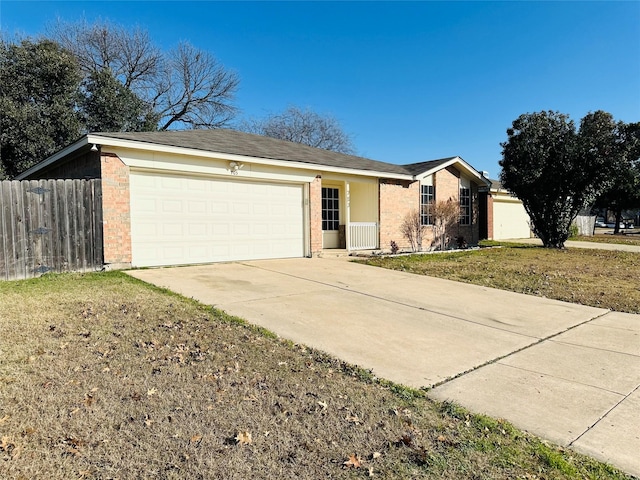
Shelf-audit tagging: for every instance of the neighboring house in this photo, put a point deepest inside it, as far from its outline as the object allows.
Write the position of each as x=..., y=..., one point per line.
x=506, y=216
x=200, y=196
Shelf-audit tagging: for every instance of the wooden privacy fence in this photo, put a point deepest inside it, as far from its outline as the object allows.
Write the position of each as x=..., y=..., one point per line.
x=50, y=226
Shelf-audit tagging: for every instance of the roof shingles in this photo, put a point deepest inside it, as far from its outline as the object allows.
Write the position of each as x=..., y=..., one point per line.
x=240, y=143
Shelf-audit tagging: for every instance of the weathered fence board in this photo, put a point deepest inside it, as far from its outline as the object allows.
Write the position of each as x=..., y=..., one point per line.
x=50, y=226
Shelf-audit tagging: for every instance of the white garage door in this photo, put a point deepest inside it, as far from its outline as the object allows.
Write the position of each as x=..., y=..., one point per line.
x=181, y=220
x=510, y=220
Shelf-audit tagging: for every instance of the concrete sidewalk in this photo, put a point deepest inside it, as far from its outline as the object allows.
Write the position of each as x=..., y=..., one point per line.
x=579, y=244
x=566, y=372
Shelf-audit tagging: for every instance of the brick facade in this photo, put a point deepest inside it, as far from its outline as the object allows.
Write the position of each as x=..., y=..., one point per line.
x=396, y=199
x=399, y=198
x=447, y=183
x=315, y=217
x=116, y=211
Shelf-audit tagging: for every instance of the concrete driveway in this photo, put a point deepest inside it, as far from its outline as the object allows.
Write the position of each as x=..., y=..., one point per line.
x=565, y=372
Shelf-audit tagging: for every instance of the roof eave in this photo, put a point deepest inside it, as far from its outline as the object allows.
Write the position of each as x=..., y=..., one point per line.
x=106, y=142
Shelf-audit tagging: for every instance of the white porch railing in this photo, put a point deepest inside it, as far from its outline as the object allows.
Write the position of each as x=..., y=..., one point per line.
x=363, y=235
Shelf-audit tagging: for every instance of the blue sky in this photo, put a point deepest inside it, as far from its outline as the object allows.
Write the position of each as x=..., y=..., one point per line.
x=410, y=81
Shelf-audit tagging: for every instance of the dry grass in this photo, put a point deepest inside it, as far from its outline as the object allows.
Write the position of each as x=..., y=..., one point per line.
x=102, y=376
x=598, y=278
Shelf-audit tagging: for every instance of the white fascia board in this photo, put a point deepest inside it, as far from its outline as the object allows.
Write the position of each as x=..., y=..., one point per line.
x=54, y=158
x=465, y=166
x=504, y=196
x=433, y=170
x=136, y=145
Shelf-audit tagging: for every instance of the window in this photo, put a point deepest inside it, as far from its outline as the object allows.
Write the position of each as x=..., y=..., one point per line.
x=427, y=203
x=465, y=206
x=330, y=208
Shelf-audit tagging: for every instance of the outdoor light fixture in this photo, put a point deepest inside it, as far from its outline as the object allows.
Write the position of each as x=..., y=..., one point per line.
x=94, y=148
x=234, y=167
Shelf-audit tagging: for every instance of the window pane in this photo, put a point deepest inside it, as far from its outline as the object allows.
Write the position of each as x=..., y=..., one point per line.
x=330, y=208
x=427, y=201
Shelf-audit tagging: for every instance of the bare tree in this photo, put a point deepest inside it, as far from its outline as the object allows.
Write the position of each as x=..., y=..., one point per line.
x=194, y=89
x=444, y=213
x=413, y=230
x=185, y=87
x=303, y=126
x=128, y=53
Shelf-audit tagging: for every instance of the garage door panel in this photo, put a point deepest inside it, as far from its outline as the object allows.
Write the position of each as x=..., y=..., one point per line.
x=510, y=220
x=180, y=220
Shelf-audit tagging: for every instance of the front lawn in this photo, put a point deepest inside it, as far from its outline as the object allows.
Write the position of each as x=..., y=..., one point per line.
x=102, y=376
x=598, y=278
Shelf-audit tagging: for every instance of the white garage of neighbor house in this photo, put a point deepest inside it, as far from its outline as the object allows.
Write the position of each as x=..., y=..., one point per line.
x=200, y=196
x=510, y=219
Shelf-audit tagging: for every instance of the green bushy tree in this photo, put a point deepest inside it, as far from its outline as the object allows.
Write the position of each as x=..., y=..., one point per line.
x=556, y=169
x=38, y=102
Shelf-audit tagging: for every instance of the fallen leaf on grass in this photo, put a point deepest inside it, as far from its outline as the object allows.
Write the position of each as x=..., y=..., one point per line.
x=243, y=438
x=6, y=443
x=73, y=451
x=376, y=455
x=354, y=461
x=196, y=438
x=323, y=405
x=352, y=419
x=152, y=391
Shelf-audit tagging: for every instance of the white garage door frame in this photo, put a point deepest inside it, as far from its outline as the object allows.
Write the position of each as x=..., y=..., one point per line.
x=179, y=219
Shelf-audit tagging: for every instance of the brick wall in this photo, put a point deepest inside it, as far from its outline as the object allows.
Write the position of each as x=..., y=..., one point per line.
x=397, y=199
x=447, y=183
x=315, y=218
x=116, y=211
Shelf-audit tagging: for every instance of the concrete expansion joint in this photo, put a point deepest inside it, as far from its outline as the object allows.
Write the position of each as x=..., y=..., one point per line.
x=526, y=347
x=591, y=347
x=564, y=379
x=603, y=416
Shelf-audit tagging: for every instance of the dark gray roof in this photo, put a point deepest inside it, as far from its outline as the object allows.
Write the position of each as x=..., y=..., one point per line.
x=240, y=143
x=418, y=168
x=496, y=184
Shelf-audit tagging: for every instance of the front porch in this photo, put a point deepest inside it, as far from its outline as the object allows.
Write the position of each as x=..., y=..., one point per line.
x=350, y=215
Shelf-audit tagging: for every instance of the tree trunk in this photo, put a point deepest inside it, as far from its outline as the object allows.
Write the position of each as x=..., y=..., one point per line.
x=616, y=228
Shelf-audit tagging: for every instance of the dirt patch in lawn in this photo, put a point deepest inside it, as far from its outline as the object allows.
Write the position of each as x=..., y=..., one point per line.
x=102, y=376
x=598, y=278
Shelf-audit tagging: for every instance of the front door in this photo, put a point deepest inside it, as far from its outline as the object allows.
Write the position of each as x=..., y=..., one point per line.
x=330, y=217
